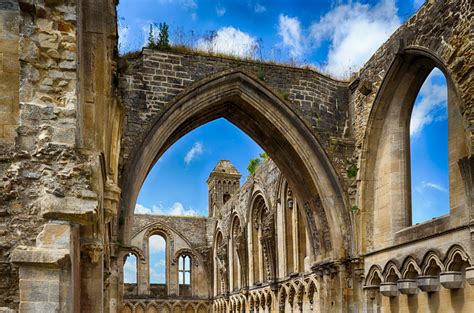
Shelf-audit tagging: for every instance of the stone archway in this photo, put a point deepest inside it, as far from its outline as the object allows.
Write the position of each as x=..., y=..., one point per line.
x=387, y=142
x=265, y=117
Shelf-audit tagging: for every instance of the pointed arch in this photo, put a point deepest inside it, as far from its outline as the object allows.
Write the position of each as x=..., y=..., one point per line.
x=387, y=142
x=432, y=264
x=410, y=268
x=374, y=276
x=271, y=122
x=391, y=272
x=456, y=259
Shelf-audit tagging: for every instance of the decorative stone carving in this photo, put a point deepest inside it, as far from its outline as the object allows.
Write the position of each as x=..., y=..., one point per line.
x=407, y=286
x=428, y=283
x=93, y=250
x=389, y=289
x=470, y=275
x=451, y=279
x=111, y=199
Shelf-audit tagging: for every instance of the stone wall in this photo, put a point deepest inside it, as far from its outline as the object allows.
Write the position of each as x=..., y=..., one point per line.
x=149, y=81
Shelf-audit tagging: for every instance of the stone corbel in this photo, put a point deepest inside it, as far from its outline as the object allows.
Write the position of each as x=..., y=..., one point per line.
x=111, y=200
x=94, y=250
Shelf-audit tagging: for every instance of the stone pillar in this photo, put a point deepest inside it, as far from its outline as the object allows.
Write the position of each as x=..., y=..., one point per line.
x=49, y=272
x=92, y=277
x=143, y=280
x=9, y=69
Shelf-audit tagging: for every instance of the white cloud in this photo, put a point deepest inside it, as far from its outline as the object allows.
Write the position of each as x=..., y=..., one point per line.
x=258, y=8
x=430, y=105
x=157, y=244
x=177, y=209
x=435, y=186
x=229, y=40
x=130, y=270
x=196, y=150
x=429, y=185
x=289, y=29
x=220, y=11
x=354, y=31
x=187, y=4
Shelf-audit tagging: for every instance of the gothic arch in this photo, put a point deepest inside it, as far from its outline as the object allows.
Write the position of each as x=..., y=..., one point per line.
x=410, y=267
x=374, y=276
x=270, y=121
x=456, y=254
x=430, y=261
x=390, y=114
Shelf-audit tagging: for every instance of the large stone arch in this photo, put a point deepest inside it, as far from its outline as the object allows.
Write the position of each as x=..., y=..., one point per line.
x=386, y=149
x=264, y=116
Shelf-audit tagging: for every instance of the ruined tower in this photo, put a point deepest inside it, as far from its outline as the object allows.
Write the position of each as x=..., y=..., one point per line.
x=223, y=181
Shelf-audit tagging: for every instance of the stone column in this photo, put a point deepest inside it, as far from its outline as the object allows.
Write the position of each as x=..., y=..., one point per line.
x=92, y=271
x=49, y=272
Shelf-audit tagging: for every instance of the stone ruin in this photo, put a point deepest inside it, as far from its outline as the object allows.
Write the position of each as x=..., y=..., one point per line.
x=80, y=128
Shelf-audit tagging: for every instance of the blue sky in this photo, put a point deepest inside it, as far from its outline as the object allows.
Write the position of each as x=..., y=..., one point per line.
x=329, y=34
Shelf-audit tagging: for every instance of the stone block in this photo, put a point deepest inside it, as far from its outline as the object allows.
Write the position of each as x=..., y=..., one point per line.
x=407, y=286
x=39, y=273
x=428, y=283
x=43, y=307
x=23, y=254
x=6, y=103
x=451, y=280
x=389, y=289
x=82, y=211
x=470, y=275
x=34, y=290
x=54, y=236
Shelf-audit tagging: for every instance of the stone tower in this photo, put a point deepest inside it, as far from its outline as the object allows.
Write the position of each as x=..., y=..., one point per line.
x=223, y=182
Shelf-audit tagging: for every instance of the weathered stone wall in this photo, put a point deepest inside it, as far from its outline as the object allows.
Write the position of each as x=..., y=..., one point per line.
x=45, y=172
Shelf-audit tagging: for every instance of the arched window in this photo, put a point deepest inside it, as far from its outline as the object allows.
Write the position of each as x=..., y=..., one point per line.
x=184, y=275
x=294, y=232
x=130, y=269
x=255, y=226
x=429, y=161
x=184, y=270
x=219, y=266
x=236, y=269
x=157, y=259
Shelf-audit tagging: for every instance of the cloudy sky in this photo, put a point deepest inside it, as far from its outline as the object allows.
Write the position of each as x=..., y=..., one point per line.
x=337, y=36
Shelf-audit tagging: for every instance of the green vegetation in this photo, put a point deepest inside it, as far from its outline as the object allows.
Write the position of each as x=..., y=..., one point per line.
x=254, y=164
x=351, y=169
x=163, y=41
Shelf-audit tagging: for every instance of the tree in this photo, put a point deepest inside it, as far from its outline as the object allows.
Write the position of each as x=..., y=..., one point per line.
x=254, y=164
x=151, y=38
x=163, y=37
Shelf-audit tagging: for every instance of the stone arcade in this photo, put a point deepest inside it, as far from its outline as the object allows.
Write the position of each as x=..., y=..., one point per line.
x=80, y=128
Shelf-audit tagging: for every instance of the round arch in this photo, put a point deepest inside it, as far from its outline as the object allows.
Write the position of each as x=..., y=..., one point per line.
x=266, y=118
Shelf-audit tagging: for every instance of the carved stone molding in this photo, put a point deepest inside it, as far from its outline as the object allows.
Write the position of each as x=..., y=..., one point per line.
x=94, y=250
x=111, y=199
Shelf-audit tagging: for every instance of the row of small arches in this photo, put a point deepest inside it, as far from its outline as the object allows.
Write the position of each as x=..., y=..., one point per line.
x=456, y=260
x=290, y=294
x=154, y=307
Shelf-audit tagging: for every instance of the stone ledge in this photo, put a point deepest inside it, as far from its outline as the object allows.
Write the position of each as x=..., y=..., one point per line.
x=81, y=211
x=24, y=254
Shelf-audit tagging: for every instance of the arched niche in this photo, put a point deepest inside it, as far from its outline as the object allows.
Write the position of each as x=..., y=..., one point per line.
x=385, y=170
x=270, y=121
